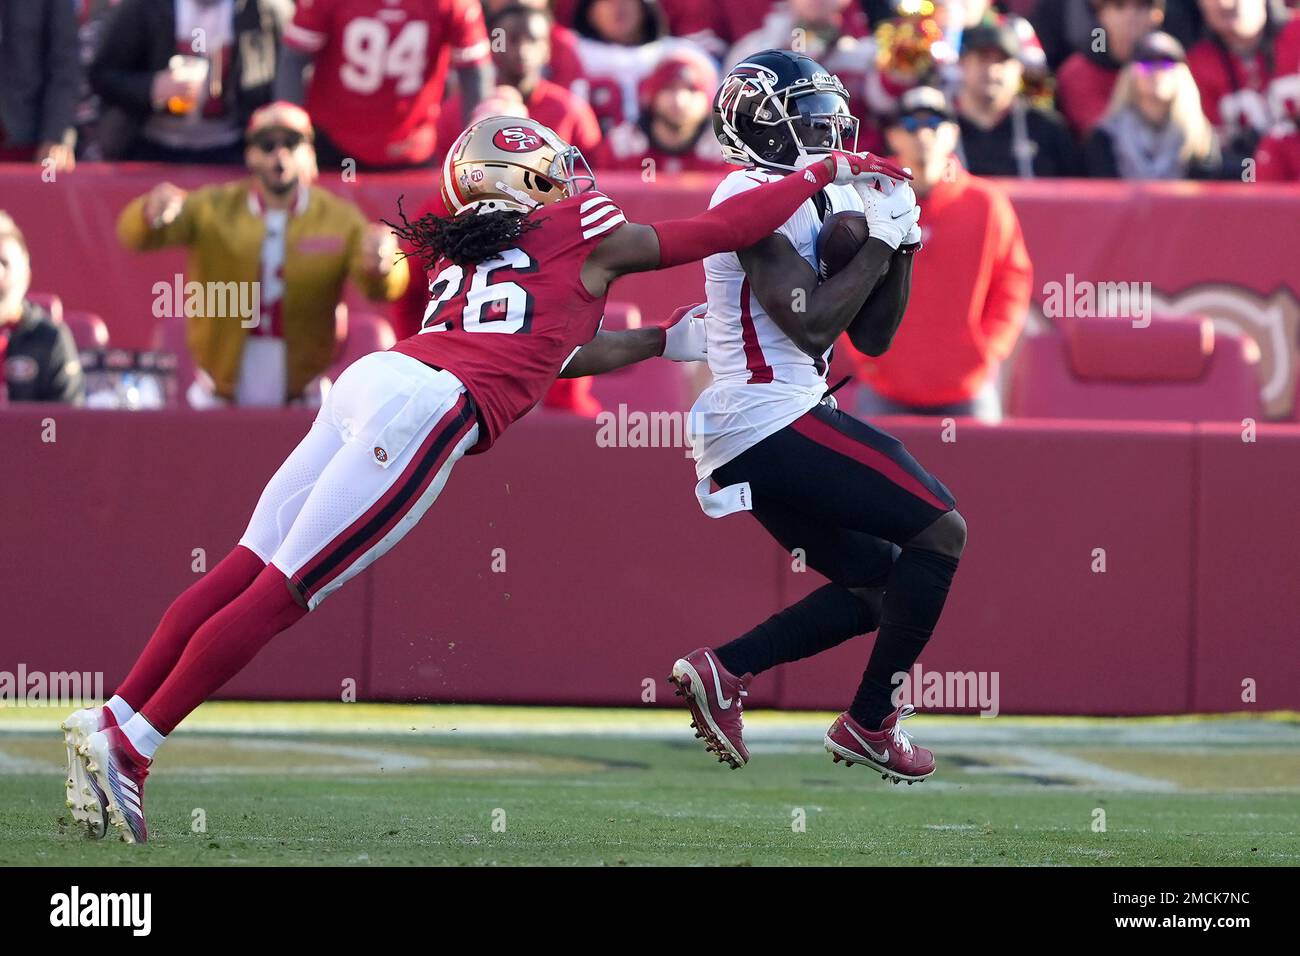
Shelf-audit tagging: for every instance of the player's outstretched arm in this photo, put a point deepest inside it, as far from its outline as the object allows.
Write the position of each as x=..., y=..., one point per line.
x=873, y=331
x=734, y=224
x=680, y=339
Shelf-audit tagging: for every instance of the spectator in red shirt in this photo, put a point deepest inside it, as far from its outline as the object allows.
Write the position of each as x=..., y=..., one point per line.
x=1242, y=55
x=620, y=42
x=1155, y=128
x=674, y=132
x=971, y=282
x=1277, y=160
x=379, y=72
x=1085, y=81
x=564, y=66
x=521, y=51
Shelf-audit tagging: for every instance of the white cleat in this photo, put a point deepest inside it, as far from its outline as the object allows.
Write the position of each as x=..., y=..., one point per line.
x=80, y=797
x=117, y=775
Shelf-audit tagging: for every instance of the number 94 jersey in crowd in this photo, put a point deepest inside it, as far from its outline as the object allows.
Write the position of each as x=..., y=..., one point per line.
x=380, y=68
x=507, y=326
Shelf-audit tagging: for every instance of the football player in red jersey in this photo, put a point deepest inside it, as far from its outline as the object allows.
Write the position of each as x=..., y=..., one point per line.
x=379, y=71
x=517, y=291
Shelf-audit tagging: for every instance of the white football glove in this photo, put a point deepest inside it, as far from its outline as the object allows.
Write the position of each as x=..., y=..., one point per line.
x=891, y=217
x=913, y=236
x=685, y=339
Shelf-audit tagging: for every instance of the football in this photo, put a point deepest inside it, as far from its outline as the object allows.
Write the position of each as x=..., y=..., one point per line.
x=841, y=236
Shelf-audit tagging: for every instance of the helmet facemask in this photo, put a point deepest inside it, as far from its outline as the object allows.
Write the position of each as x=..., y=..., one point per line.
x=809, y=117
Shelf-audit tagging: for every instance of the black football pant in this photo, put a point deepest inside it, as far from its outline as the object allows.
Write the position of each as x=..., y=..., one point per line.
x=861, y=511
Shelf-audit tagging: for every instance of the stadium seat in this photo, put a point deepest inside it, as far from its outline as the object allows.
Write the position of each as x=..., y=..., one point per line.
x=169, y=336
x=88, y=329
x=1176, y=369
x=645, y=386
x=366, y=332
x=50, y=301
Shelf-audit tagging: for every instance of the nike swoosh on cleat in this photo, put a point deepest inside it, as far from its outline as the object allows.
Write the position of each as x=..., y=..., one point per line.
x=723, y=702
x=879, y=758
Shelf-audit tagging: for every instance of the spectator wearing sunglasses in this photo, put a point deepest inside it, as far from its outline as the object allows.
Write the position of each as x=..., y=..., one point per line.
x=1001, y=133
x=1155, y=128
x=1085, y=81
x=274, y=240
x=971, y=282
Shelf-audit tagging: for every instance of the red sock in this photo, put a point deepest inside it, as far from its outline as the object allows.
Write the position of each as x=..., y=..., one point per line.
x=221, y=648
x=198, y=602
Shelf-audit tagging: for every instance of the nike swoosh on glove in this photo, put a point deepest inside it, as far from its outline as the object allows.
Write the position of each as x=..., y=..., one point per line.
x=852, y=167
x=685, y=339
x=891, y=217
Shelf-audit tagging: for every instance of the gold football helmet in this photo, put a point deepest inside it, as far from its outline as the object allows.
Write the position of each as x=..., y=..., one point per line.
x=508, y=163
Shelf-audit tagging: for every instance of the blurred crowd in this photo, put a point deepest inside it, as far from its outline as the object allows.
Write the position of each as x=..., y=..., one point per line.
x=1149, y=89
x=957, y=89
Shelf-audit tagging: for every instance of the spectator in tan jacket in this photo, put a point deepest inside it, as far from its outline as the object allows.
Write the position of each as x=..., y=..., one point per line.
x=268, y=256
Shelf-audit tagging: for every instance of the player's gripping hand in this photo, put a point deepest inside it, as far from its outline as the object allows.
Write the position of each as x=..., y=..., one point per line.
x=684, y=335
x=892, y=217
x=856, y=167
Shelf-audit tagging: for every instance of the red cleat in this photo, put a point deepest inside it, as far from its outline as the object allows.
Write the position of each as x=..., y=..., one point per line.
x=117, y=773
x=889, y=749
x=714, y=697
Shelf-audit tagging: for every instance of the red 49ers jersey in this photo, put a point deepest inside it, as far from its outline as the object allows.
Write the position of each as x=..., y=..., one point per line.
x=380, y=68
x=506, y=326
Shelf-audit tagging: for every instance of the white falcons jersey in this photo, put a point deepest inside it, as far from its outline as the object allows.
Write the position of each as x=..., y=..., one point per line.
x=762, y=381
x=744, y=343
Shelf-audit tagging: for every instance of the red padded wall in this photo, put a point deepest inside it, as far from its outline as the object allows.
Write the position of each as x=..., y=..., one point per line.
x=612, y=570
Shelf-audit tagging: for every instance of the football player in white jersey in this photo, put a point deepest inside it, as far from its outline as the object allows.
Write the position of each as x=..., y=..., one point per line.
x=878, y=526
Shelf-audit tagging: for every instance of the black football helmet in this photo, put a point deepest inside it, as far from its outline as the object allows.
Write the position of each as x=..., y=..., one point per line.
x=776, y=106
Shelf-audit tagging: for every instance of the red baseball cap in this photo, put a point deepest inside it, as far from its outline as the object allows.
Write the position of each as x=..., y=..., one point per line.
x=696, y=70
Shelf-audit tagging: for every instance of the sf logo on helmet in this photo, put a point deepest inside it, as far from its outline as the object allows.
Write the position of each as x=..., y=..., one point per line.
x=517, y=139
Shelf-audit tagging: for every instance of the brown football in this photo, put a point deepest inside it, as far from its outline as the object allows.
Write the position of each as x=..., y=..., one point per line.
x=841, y=236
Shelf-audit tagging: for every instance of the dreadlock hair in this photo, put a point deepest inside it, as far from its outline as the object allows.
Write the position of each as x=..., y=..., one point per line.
x=465, y=238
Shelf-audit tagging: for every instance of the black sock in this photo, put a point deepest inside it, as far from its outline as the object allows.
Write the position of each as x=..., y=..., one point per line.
x=914, y=596
x=829, y=616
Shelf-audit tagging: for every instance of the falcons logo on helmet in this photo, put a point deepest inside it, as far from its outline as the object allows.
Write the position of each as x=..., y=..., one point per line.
x=746, y=79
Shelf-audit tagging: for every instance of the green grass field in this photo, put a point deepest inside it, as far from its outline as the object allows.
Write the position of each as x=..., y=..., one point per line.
x=358, y=784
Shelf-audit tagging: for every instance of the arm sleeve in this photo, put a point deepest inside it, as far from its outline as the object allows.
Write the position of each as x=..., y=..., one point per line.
x=118, y=73
x=740, y=221
x=64, y=381
x=467, y=34
x=375, y=286
x=63, y=71
x=135, y=233
x=309, y=30
x=1010, y=287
